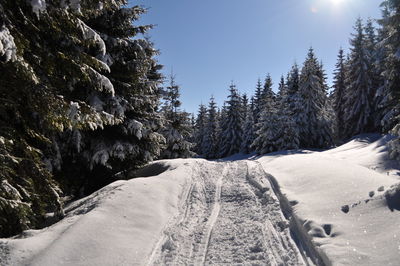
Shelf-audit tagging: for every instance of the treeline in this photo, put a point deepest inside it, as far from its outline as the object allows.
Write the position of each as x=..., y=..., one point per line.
x=365, y=98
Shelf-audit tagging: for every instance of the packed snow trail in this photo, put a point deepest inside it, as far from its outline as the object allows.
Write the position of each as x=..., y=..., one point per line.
x=228, y=215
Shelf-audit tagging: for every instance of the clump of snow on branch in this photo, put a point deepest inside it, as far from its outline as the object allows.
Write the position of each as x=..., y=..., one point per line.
x=89, y=34
x=38, y=6
x=135, y=127
x=8, y=50
x=93, y=120
x=102, y=82
x=119, y=150
x=74, y=5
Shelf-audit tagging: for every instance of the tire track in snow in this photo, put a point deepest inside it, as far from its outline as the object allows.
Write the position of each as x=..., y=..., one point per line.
x=228, y=215
x=166, y=237
x=183, y=241
x=214, y=214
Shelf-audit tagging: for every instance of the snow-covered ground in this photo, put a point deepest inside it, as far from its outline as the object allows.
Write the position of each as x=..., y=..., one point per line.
x=275, y=210
x=356, y=174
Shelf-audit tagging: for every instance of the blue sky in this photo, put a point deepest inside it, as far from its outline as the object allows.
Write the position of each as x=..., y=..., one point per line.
x=209, y=43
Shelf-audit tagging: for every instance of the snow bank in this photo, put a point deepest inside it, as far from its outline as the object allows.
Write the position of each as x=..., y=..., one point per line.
x=318, y=185
x=118, y=225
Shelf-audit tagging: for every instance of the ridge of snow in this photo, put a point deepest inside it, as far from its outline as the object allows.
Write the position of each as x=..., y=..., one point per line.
x=117, y=225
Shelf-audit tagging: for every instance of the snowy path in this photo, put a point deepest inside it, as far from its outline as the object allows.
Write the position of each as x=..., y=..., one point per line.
x=228, y=215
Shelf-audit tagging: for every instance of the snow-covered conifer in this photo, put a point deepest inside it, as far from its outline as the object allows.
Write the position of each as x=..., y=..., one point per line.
x=338, y=94
x=248, y=129
x=360, y=90
x=231, y=131
x=200, y=129
x=257, y=101
x=311, y=110
x=266, y=128
x=84, y=94
x=391, y=74
x=176, y=129
x=210, y=144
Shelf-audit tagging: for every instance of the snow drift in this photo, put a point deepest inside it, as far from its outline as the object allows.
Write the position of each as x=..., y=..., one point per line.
x=117, y=225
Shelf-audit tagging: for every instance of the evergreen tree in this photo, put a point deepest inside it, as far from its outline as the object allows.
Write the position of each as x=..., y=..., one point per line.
x=79, y=92
x=177, y=130
x=338, y=94
x=282, y=90
x=292, y=90
x=248, y=129
x=312, y=115
x=210, y=147
x=372, y=51
x=384, y=110
x=231, y=131
x=200, y=129
x=244, y=104
x=266, y=128
x=221, y=117
x=392, y=73
x=360, y=91
x=288, y=133
x=257, y=101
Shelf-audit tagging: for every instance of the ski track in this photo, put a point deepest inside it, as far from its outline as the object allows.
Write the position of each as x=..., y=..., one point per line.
x=229, y=215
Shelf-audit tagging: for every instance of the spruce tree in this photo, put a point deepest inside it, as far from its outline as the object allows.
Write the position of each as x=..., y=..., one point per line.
x=360, y=91
x=248, y=129
x=221, y=117
x=282, y=90
x=257, y=101
x=373, y=55
x=338, y=94
x=311, y=109
x=79, y=92
x=231, y=131
x=292, y=90
x=266, y=128
x=176, y=129
x=392, y=73
x=288, y=132
x=200, y=129
x=210, y=144
x=383, y=105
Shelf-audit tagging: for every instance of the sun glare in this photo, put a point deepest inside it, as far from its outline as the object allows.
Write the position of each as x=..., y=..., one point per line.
x=336, y=2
